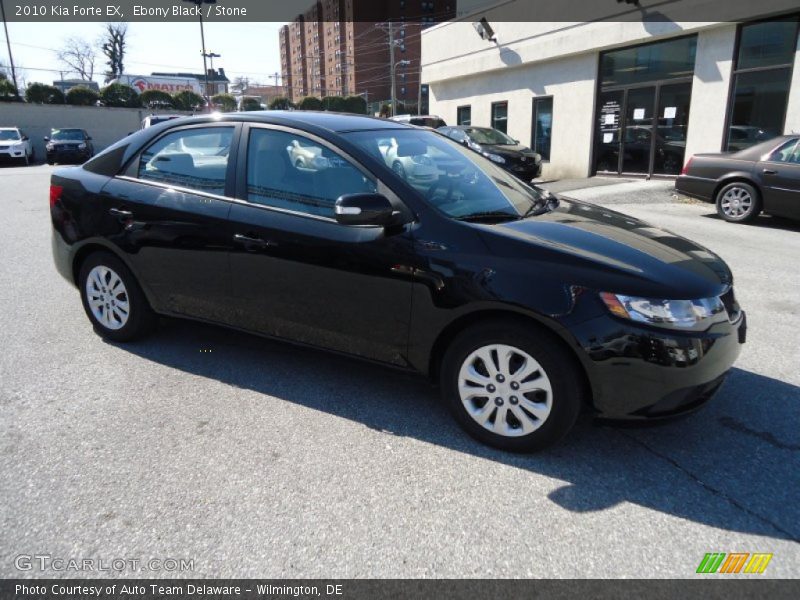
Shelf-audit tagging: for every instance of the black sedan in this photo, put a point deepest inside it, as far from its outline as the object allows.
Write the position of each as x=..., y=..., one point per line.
x=525, y=307
x=68, y=145
x=762, y=178
x=495, y=145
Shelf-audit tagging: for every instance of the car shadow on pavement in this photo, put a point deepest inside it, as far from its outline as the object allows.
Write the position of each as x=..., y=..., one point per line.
x=763, y=221
x=732, y=466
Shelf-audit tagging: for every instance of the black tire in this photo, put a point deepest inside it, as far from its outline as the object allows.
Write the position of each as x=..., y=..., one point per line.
x=50, y=161
x=559, y=366
x=727, y=212
x=140, y=320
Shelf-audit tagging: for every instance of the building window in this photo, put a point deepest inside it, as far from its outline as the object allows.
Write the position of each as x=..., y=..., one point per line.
x=500, y=116
x=761, y=81
x=671, y=59
x=542, y=126
x=464, y=115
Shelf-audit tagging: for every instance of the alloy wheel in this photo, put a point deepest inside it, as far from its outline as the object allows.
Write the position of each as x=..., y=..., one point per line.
x=736, y=203
x=505, y=390
x=107, y=297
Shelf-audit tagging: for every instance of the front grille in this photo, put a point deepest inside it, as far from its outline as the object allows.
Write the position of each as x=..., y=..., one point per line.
x=730, y=304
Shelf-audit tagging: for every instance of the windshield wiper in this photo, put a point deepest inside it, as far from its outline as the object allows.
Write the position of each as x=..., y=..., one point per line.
x=544, y=205
x=490, y=215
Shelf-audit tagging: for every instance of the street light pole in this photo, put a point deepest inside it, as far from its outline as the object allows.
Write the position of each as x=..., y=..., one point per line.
x=10, y=56
x=198, y=3
x=401, y=63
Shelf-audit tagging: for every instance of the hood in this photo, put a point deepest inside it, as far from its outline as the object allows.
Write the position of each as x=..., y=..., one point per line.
x=609, y=251
x=508, y=150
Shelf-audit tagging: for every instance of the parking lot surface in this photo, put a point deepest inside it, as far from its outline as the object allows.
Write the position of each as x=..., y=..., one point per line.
x=258, y=459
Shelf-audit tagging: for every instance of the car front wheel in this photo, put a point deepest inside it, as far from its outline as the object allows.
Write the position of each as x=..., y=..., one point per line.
x=738, y=202
x=113, y=300
x=511, y=386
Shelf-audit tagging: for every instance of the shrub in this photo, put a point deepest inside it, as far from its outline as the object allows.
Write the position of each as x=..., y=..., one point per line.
x=251, y=104
x=40, y=93
x=156, y=99
x=334, y=103
x=7, y=91
x=225, y=101
x=119, y=94
x=356, y=105
x=188, y=100
x=281, y=103
x=310, y=103
x=82, y=96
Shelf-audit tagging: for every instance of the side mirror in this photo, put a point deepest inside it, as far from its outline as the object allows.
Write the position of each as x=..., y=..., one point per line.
x=47, y=138
x=363, y=209
x=88, y=138
x=24, y=138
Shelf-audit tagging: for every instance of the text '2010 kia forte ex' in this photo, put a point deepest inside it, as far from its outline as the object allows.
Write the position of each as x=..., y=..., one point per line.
x=525, y=307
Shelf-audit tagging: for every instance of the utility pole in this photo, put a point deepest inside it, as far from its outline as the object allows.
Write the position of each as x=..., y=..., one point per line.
x=393, y=100
x=10, y=56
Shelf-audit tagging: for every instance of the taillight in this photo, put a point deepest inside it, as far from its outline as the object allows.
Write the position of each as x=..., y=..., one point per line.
x=685, y=169
x=55, y=194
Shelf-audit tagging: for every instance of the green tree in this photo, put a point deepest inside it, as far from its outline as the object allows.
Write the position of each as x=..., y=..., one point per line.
x=356, y=105
x=225, y=101
x=333, y=103
x=187, y=100
x=114, y=46
x=251, y=104
x=41, y=93
x=82, y=96
x=156, y=99
x=310, y=103
x=280, y=103
x=119, y=94
x=7, y=91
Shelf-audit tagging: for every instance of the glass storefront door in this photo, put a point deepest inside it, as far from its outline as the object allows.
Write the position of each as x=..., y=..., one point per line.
x=637, y=138
x=643, y=108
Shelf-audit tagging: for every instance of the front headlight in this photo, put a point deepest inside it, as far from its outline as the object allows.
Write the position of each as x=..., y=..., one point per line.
x=18, y=147
x=674, y=314
x=495, y=157
x=81, y=146
x=50, y=146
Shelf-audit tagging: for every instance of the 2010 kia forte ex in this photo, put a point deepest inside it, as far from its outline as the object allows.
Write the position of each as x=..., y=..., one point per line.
x=524, y=307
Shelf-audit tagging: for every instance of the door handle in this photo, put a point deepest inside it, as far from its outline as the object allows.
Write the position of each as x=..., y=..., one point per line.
x=122, y=215
x=251, y=243
x=770, y=172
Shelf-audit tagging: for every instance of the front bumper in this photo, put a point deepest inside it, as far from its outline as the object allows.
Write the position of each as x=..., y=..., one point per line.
x=8, y=155
x=649, y=373
x=68, y=155
x=525, y=171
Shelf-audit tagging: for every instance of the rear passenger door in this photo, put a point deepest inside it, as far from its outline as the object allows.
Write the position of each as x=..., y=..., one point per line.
x=297, y=273
x=172, y=204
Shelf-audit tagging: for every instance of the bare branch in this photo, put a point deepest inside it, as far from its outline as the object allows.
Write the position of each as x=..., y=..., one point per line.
x=78, y=56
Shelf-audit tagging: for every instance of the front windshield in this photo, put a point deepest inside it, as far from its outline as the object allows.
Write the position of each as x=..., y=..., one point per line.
x=67, y=134
x=484, y=135
x=7, y=135
x=452, y=178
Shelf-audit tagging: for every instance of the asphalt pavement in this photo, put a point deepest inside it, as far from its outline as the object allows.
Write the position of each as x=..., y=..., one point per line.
x=253, y=458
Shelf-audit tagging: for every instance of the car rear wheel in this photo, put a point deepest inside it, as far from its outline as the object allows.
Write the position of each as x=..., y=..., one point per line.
x=113, y=300
x=738, y=202
x=511, y=386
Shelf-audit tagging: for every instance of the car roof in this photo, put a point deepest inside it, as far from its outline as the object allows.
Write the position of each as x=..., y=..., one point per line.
x=9, y=128
x=331, y=121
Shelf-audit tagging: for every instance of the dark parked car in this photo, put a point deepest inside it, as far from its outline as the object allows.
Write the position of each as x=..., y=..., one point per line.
x=764, y=177
x=523, y=306
x=68, y=145
x=495, y=145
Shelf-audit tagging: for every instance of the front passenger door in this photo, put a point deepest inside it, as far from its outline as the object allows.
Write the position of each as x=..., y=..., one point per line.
x=297, y=273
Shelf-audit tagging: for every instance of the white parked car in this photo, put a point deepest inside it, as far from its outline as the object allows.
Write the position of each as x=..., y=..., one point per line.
x=413, y=166
x=15, y=145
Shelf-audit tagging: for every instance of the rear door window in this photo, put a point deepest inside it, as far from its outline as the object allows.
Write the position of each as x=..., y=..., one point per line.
x=195, y=158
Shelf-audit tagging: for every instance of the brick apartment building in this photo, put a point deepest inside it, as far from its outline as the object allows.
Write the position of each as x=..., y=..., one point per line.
x=335, y=48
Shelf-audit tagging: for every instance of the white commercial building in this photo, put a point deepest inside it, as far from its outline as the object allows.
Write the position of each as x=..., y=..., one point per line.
x=629, y=91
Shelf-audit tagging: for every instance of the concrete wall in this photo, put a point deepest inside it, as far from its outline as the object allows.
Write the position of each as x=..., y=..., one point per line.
x=105, y=125
x=571, y=83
